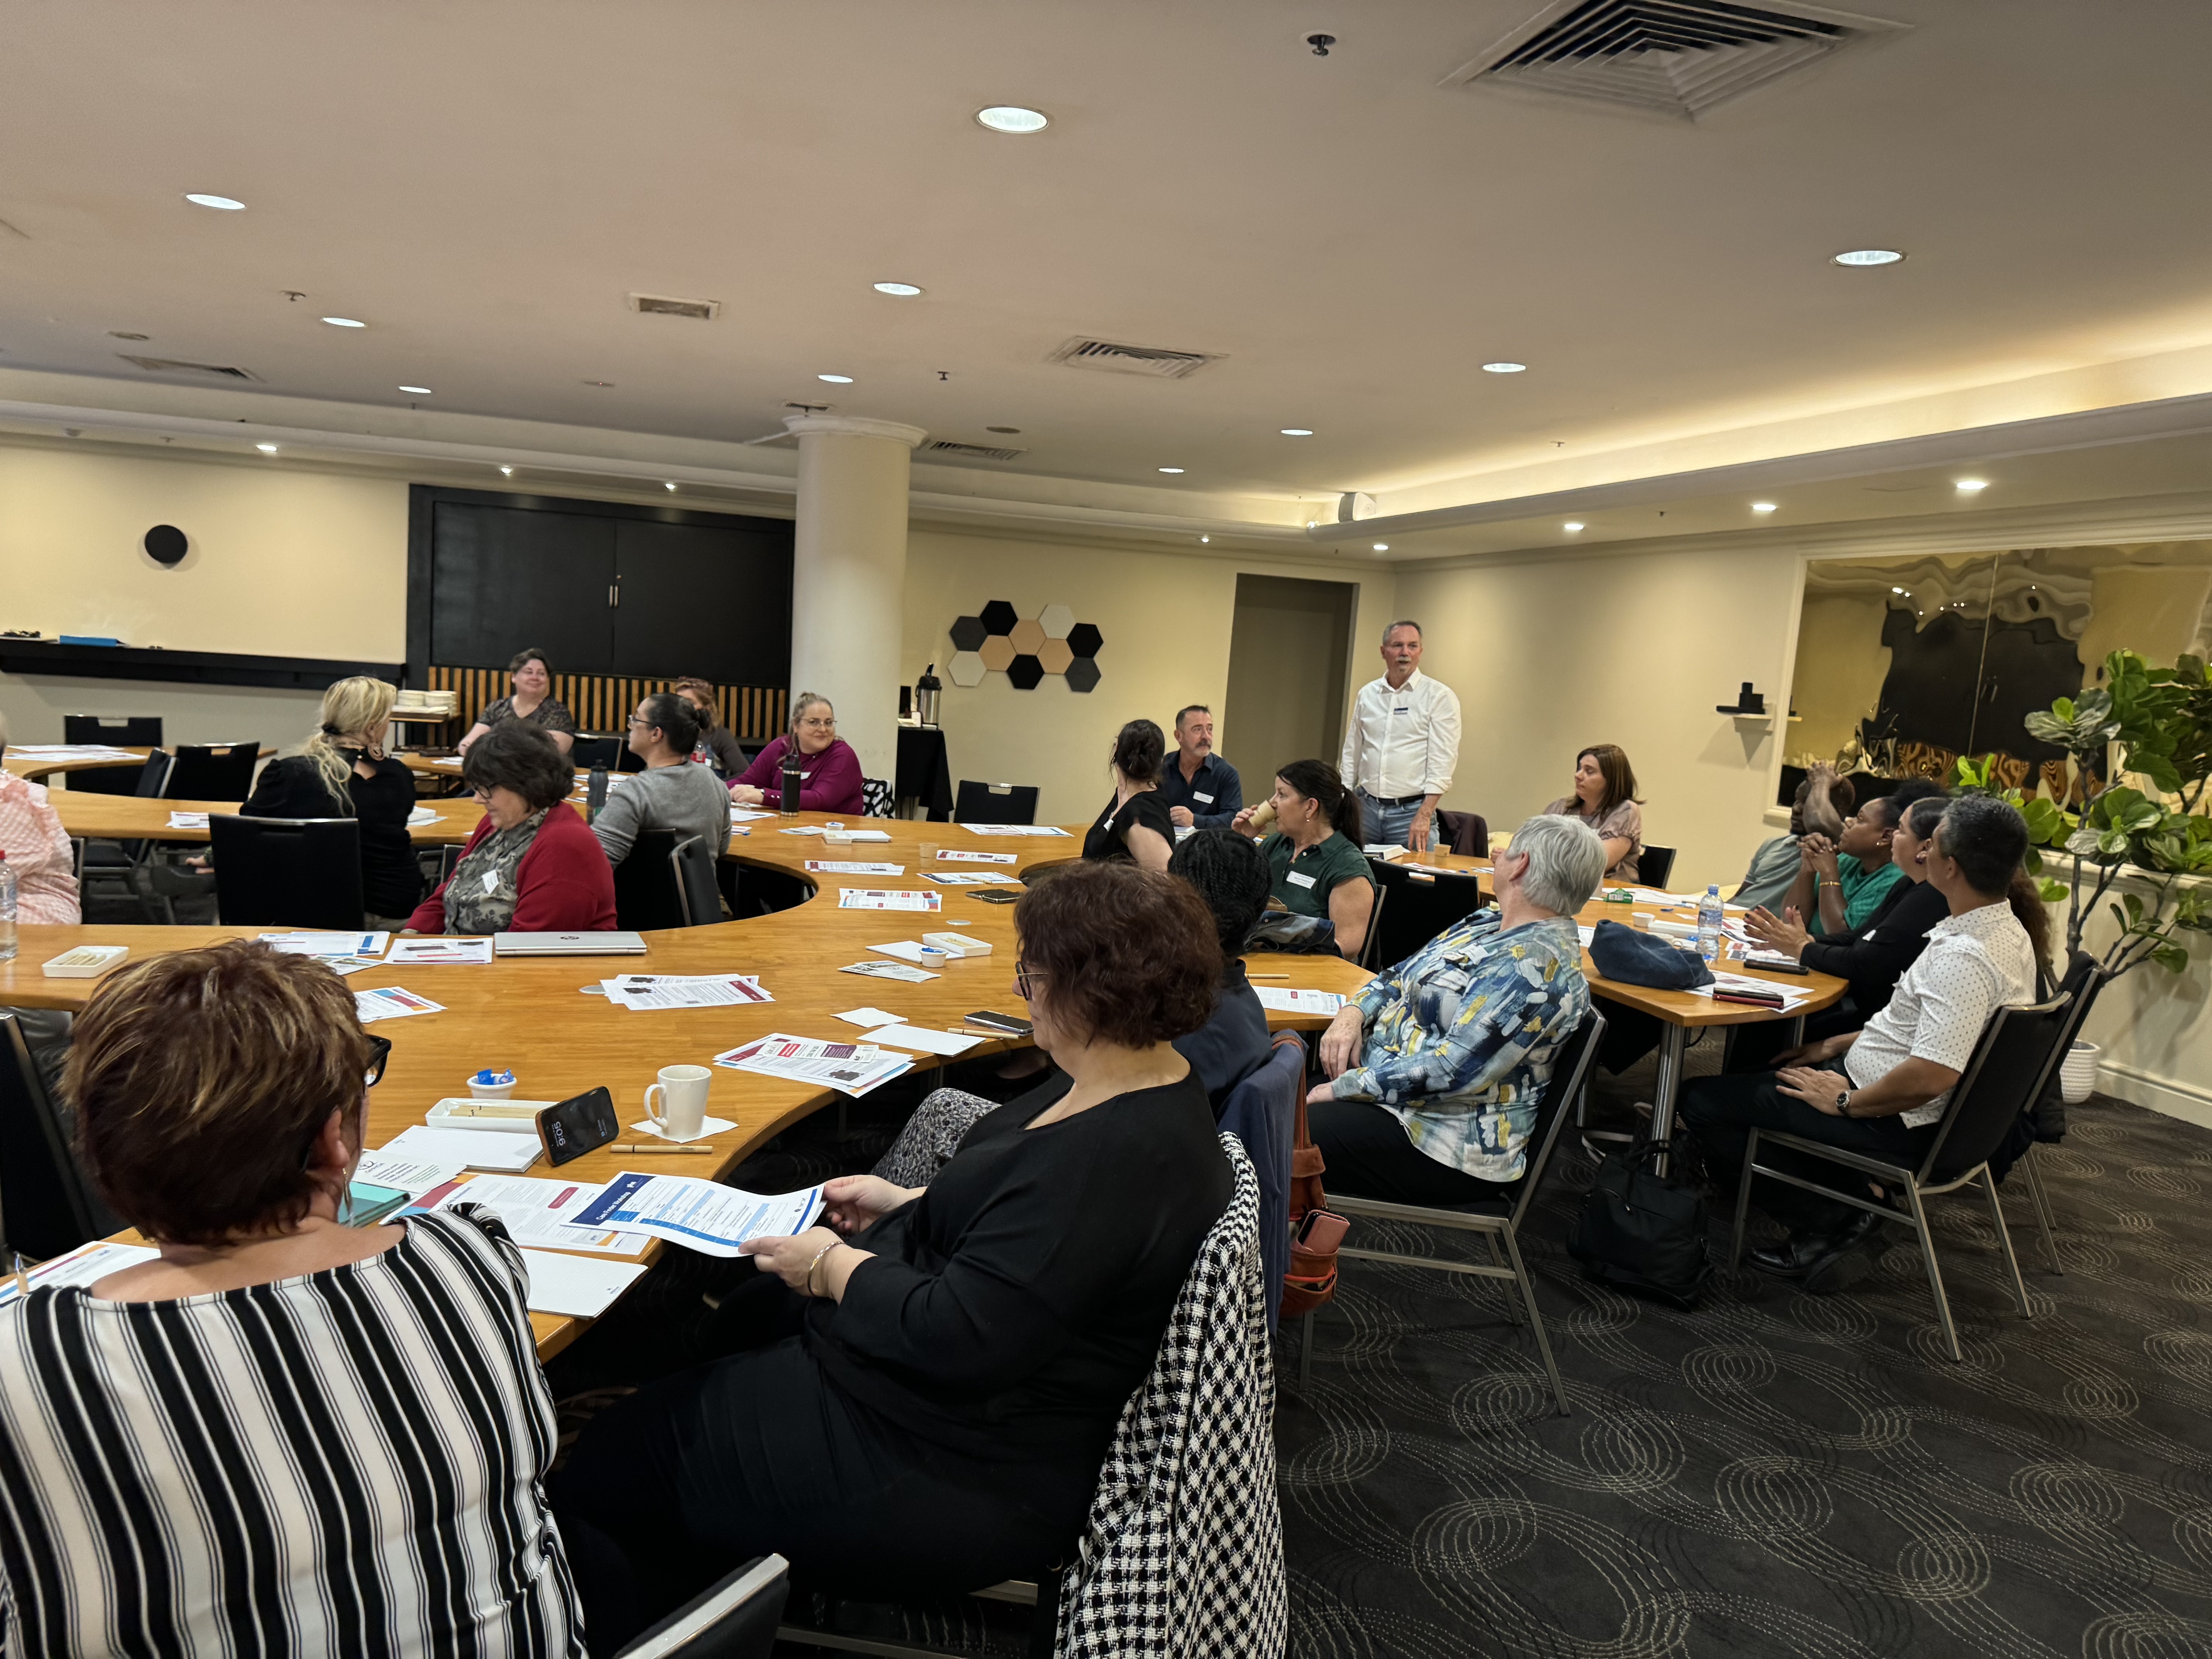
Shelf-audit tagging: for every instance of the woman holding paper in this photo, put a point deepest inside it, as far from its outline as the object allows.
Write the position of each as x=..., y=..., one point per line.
x=250, y=1421
x=921, y=1395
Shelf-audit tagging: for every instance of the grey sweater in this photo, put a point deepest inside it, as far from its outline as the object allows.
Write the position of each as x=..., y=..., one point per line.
x=684, y=800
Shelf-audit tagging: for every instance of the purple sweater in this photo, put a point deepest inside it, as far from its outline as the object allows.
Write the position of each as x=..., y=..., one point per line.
x=830, y=781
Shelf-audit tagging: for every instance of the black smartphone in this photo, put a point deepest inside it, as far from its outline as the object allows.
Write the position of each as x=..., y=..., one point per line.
x=1011, y=1024
x=578, y=1125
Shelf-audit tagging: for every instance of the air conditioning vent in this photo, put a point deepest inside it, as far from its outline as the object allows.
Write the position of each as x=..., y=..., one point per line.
x=659, y=305
x=178, y=366
x=974, y=452
x=1160, y=364
x=1676, y=58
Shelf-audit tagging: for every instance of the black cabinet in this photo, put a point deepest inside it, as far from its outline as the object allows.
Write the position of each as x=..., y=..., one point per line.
x=602, y=588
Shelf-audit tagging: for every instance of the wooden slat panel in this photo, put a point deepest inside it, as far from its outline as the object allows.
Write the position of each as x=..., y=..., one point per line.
x=602, y=702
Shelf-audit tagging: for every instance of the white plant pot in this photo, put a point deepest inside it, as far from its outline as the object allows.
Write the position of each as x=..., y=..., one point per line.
x=2077, y=1074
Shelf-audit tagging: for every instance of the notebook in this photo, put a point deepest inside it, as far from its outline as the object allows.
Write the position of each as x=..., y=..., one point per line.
x=568, y=944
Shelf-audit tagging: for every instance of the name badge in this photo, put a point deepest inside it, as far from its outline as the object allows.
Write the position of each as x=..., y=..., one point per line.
x=491, y=881
x=1297, y=879
x=1401, y=711
x=1208, y=799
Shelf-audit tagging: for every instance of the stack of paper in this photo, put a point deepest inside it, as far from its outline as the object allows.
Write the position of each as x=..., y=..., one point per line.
x=854, y=867
x=420, y=815
x=439, y=950
x=327, y=944
x=706, y=1216
x=832, y=833
x=851, y=1068
x=1745, y=982
x=68, y=751
x=887, y=898
x=889, y=970
x=539, y=1213
x=1298, y=1002
x=968, y=878
x=929, y=1042
x=950, y=856
x=576, y=1285
x=641, y=993
x=411, y=1175
x=466, y=1149
x=188, y=820
x=390, y=1002
x=1013, y=829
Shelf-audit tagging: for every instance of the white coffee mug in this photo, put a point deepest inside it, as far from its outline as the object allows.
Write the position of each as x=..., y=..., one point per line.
x=682, y=1113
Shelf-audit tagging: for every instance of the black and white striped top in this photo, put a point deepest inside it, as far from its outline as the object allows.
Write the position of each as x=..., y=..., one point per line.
x=348, y=1463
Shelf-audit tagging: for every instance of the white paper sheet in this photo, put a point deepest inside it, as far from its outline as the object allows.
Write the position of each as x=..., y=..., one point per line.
x=539, y=1213
x=897, y=970
x=929, y=1042
x=834, y=833
x=1743, y=982
x=188, y=820
x=701, y=1214
x=472, y=1148
x=1013, y=829
x=390, y=1002
x=1298, y=1001
x=869, y=1016
x=906, y=949
x=746, y=815
x=888, y=899
x=707, y=1126
x=851, y=1068
x=854, y=867
x=968, y=878
x=53, y=751
x=439, y=951
x=81, y=1265
x=949, y=856
x=327, y=944
x=576, y=1285
x=423, y=815
x=645, y=993
x=411, y=1175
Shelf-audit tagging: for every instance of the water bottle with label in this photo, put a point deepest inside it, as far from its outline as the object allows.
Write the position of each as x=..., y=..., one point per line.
x=1710, y=915
x=7, y=911
x=595, y=792
x=790, y=781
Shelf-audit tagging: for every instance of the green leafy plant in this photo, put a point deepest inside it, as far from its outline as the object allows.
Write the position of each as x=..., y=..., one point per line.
x=2147, y=723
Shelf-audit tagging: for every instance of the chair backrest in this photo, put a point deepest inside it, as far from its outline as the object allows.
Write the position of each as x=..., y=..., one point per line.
x=994, y=803
x=137, y=732
x=2009, y=1066
x=693, y=862
x=1568, y=1073
x=1467, y=834
x=286, y=872
x=1370, y=948
x=592, y=749
x=203, y=773
x=1261, y=1112
x=1654, y=864
x=47, y=1205
x=876, y=800
x=151, y=781
x=734, y=1618
x=648, y=887
x=1422, y=903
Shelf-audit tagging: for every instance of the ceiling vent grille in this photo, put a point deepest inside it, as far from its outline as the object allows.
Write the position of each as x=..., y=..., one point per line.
x=974, y=452
x=660, y=305
x=178, y=366
x=1674, y=57
x=1159, y=364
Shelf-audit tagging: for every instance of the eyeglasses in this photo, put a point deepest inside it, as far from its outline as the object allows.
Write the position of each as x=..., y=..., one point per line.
x=818, y=725
x=633, y=720
x=380, y=1056
x=1025, y=976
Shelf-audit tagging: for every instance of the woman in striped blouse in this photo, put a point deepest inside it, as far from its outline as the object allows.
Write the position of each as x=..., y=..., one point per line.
x=285, y=1435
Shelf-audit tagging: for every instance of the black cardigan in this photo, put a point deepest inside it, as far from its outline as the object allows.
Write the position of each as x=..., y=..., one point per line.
x=391, y=879
x=1874, y=955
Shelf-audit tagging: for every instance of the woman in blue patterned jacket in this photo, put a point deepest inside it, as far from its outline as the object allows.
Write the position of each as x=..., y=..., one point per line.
x=1438, y=1065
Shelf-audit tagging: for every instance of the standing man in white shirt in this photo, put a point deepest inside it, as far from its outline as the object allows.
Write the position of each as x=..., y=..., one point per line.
x=1402, y=745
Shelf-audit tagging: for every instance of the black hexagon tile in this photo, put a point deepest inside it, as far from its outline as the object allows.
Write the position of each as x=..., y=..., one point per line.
x=1085, y=640
x=999, y=617
x=1026, y=672
x=1082, y=674
x=968, y=634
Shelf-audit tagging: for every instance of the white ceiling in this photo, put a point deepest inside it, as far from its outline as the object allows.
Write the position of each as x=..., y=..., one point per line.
x=482, y=182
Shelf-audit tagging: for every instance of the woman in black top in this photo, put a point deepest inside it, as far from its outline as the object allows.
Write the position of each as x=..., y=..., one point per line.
x=1135, y=824
x=343, y=773
x=930, y=1383
x=717, y=746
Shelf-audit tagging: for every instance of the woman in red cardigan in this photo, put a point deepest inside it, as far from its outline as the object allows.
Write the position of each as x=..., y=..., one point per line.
x=533, y=864
x=830, y=771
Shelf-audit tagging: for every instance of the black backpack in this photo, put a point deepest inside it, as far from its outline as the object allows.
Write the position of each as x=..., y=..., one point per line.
x=1643, y=1232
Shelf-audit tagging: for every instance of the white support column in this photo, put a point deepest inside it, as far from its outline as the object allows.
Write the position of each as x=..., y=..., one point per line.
x=849, y=580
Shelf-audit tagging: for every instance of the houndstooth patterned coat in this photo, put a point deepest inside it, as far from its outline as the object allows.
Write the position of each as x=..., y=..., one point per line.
x=1182, y=1556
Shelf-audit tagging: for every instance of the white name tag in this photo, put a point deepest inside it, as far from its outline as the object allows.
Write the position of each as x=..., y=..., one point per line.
x=491, y=881
x=1296, y=880
x=1208, y=799
x=1401, y=711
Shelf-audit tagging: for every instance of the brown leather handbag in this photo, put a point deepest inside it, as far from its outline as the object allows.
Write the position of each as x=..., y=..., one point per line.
x=1311, y=1279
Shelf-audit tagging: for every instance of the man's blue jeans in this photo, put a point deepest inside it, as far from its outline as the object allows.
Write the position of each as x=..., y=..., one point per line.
x=1380, y=824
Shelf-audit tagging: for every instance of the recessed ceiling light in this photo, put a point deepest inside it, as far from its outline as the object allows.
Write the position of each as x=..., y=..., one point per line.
x=266, y=449
x=668, y=486
x=1968, y=486
x=506, y=472
x=1762, y=506
x=1170, y=469
x=1381, y=547
x=1012, y=117
x=1574, y=524
x=1861, y=257
x=416, y=390
x=223, y=201
x=1297, y=432
x=344, y=322
x=1897, y=590
x=835, y=379
x=898, y=290
x=1205, y=538
x=1505, y=368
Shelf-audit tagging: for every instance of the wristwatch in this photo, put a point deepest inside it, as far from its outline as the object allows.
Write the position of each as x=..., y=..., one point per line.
x=1843, y=1103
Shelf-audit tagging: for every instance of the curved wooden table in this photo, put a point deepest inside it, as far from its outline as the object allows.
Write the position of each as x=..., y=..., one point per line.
x=32, y=769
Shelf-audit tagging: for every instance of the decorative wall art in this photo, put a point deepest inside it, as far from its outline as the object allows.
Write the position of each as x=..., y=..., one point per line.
x=999, y=640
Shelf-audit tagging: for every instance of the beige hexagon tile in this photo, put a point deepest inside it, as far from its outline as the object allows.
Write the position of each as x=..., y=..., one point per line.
x=1055, y=656
x=998, y=652
x=966, y=668
x=1027, y=637
x=1056, y=620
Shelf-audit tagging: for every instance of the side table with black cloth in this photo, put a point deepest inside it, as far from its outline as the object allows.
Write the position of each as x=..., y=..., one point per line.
x=1214, y=795
x=391, y=879
x=940, y=1429
x=1107, y=838
x=925, y=774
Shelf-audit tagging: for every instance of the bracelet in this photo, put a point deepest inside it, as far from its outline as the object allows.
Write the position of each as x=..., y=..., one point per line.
x=816, y=1262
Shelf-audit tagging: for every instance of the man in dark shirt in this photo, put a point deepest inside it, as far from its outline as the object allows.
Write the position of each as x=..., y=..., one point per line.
x=1200, y=790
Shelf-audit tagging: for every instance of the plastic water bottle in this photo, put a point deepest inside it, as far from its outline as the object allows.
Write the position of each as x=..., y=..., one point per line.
x=7, y=911
x=1709, y=925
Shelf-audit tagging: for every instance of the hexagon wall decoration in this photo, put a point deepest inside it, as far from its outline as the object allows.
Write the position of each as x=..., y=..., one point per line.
x=968, y=634
x=1082, y=674
x=966, y=668
x=1026, y=673
x=998, y=639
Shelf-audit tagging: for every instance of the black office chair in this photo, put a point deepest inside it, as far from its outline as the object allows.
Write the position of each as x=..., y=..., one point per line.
x=735, y=1618
x=597, y=748
x=139, y=732
x=47, y=1208
x=994, y=803
x=286, y=872
x=121, y=861
x=1653, y=865
x=695, y=882
x=651, y=886
x=1422, y=903
x=224, y=773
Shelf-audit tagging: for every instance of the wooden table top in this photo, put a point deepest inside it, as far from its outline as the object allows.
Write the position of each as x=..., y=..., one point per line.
x=128, y=817
x=31, y=767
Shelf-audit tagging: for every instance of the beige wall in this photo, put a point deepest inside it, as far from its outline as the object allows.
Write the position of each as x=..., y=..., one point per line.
x=1841, y=664
x=1166, y=618
x=1549, y=655
x=2152, y=610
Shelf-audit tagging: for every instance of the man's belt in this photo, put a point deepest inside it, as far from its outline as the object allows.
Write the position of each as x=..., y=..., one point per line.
x=1417, y=797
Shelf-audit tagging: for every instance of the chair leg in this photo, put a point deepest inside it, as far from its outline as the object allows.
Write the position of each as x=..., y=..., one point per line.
x=1512, y=1306
x=1934, y=1273
x=2004, y=1243
x=1521, y=1282
x=2042, y=1202
x=1742, y=1202
x=1305, y=1351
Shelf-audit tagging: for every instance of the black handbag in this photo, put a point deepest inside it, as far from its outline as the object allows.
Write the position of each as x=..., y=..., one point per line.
x=1643, y=1232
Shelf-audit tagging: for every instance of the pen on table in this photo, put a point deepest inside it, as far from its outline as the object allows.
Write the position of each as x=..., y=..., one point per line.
x=1267, y=975
x=639, y=1147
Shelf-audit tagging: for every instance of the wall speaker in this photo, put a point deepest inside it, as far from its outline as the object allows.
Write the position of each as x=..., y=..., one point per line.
x=166, y=545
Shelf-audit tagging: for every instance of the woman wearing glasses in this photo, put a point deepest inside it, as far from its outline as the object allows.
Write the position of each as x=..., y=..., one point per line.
x=919, y=1396
x=671, y=794
x=829, y=770
x=283, y=1431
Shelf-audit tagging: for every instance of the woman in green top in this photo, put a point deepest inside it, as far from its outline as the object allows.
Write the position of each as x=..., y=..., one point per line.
x=1313, y=854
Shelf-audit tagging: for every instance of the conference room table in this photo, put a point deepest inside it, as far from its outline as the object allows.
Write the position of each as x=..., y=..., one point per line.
x=41, y=762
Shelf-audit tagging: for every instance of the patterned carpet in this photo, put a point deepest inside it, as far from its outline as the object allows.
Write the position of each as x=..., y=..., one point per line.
x=1777, y=1473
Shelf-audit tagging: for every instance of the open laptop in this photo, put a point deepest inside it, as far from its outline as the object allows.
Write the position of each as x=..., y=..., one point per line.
x=567, y=945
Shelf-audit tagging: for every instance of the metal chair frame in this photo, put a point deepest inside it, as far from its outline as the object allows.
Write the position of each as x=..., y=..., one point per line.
x=1565, y=1084
x=728, y=1620
x=1922, y=1184
x=152, y=783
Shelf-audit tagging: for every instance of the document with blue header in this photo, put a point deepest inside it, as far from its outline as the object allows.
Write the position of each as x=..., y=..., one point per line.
x=702, y=1214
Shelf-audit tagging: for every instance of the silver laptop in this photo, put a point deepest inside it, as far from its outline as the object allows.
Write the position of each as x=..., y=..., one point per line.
x=567, y=945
